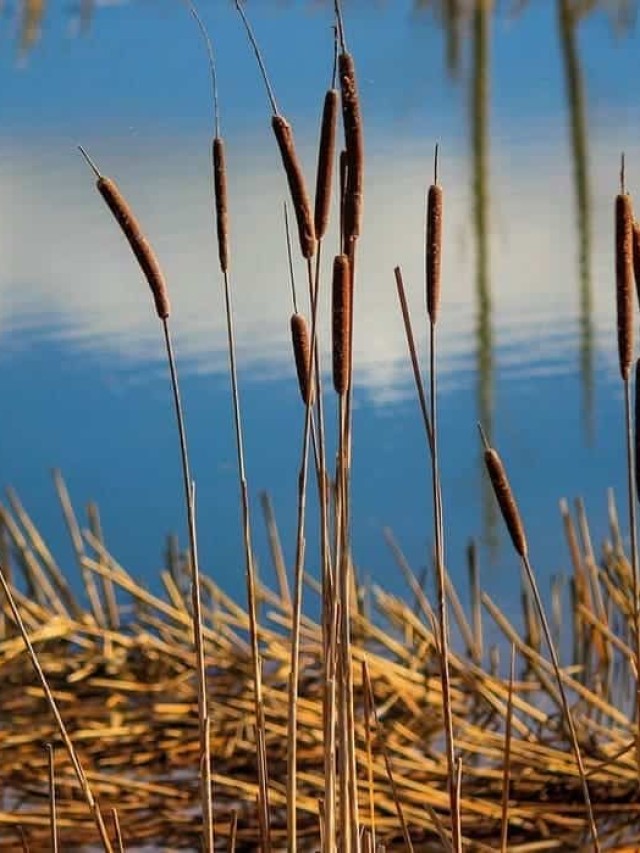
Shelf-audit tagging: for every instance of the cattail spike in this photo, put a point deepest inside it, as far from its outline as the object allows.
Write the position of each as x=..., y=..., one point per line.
x=302, y=355
x=504, y=496
x=326, y=156
x=433, y=254
x=354, y=143
x=297, y=185
x=636, y=256
x=637, y=429
x=222, y=209
x=624, y=281
x=341, y=319
x=131, y=229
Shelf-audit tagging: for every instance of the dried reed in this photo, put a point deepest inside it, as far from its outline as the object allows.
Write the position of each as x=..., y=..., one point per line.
x=433, y=243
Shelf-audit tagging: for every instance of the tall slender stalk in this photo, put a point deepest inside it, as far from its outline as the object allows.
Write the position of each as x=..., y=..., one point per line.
x=222, y=223
x=150, y=266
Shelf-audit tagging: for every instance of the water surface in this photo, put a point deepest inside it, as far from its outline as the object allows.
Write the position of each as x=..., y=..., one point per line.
x=531, y=108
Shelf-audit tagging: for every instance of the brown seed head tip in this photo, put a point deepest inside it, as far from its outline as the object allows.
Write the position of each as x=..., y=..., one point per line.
x=341, y=323
x=302, y=355
x=435, y=201
x=624, y=281
x=506, y=500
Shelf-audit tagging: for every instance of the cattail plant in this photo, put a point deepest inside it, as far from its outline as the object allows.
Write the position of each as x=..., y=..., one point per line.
x=624, y=264
x=433, y=266
x=513, y=521
x=636, y=256
x=221, y=206
x=302, y=356
x=150, y=266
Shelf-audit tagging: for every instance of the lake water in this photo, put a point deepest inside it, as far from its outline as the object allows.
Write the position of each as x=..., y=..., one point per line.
x=531, y=105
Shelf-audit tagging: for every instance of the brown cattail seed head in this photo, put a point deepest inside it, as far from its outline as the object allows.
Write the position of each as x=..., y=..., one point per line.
x=344, y=168
x=326, y=156
x=222, y=210
x=636, y=256
x=297, y=185
x=506, y=500
x=624, y=281
x=341, y=323
x=302, y=355
x=354, y=143
x=139, y=244
x=637, y=428
x=434, y=249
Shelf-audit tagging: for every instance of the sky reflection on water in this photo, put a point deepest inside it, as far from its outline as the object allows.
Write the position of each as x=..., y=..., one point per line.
x=531, y=120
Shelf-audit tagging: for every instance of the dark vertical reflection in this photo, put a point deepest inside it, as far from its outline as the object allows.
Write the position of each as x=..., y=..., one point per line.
x=567, y=21
x=451, y=13
x=480, y=170
x=85, y=14
x=30, y=27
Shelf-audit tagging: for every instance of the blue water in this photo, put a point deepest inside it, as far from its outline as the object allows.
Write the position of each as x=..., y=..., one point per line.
x=82, y=376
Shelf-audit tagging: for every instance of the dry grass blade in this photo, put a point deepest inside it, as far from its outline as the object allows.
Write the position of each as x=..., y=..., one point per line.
x=372, y=703
x=132, y=230
x=340, y=323
x=117, y=830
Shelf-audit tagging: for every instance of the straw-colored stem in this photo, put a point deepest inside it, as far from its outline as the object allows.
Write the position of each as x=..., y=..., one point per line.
x=53, y=817
x=631, y=490
x=117, y=830
x=506, y=771
x=292, y=717
x=203, y=708
x=73, y=755
x=443, y=626
x=563, y=696
x=246, y=531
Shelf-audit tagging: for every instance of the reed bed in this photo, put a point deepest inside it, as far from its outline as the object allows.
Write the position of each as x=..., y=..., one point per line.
x=129, y=699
